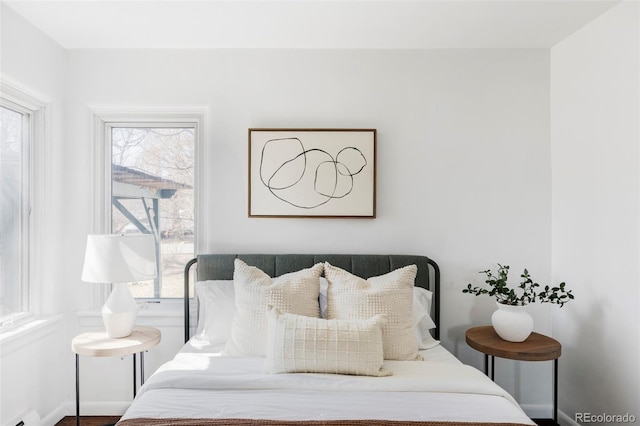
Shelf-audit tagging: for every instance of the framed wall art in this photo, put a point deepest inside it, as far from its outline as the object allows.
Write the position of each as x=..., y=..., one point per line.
x=312, y=173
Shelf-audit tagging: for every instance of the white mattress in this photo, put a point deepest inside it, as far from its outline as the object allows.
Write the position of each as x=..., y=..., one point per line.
x=199, y=383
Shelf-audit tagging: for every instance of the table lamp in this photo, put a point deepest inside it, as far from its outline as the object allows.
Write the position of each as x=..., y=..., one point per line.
x=119, y=259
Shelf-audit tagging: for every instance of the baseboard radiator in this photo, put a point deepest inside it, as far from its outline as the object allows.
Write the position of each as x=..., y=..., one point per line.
x=30, y=418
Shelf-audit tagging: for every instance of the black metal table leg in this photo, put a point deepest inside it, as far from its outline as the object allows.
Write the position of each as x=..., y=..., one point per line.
x=555, y=391
x=141, y=368
x=77, y=390
x=489, y=371
x=493, y=367
x=134, y=375
x=486, y=364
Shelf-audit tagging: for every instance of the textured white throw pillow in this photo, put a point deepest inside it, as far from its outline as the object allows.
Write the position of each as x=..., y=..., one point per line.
x=422, y=320
x=296, y=292
x=350, y=297
x=299, y=344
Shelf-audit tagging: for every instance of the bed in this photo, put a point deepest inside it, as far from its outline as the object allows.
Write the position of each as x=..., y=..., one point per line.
x=364, y=352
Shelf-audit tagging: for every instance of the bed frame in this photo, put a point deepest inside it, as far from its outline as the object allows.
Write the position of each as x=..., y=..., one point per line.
x=220, y=267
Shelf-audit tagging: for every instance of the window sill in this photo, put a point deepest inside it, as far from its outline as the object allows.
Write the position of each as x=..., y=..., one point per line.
x=25, y=334
x=163, y=314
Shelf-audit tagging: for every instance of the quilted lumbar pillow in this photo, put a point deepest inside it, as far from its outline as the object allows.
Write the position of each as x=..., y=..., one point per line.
x=296, y=292
x=299, y=344
x=350, y=297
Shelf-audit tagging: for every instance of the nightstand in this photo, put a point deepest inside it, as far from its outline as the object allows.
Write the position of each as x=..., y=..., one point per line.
x=99, y=344
x=537, y=347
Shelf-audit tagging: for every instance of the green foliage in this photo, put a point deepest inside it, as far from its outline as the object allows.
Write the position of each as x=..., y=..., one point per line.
x=525, y=293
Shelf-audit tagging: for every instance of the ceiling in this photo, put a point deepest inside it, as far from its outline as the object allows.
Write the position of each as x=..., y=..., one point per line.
x=309, y=24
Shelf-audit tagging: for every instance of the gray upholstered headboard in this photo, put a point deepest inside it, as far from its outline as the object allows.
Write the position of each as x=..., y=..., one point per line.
x=220, y=267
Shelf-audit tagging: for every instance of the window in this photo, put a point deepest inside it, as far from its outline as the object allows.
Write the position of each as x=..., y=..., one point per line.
x=15, y=142
x=152, y=179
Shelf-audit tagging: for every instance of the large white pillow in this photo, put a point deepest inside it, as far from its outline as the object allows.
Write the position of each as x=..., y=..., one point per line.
x=422, y=320
x=216, y=308
x=299, y=344
x=296, y=293
x=350, y=297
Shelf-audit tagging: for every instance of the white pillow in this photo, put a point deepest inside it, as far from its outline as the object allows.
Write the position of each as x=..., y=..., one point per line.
x=299, y=344
x=296, y=292
x=422, y=320
x=350, y=297
x=216, y=308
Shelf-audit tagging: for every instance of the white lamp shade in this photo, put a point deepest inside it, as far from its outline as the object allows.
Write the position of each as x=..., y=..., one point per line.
x=119, y=258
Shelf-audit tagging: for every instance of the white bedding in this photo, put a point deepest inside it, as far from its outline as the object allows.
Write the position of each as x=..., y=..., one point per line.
x=199, y=383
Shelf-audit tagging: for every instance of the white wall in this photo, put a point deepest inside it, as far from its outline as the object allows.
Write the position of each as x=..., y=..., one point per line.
x=464, y=172
x=463, y=157
x=31, y=369
x=596, y=211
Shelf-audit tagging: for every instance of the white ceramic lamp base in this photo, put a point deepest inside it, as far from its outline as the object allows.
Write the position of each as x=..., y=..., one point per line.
x=119, y=312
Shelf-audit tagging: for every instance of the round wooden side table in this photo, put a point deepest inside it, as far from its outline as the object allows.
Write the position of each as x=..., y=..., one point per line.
x=99, y=344
x=537, y=347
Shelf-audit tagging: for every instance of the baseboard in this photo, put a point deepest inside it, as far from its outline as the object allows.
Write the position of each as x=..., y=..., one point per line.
x=545, y=412
x=90, y=408
x=56, y=415
x=87, y=408
x=538, y=411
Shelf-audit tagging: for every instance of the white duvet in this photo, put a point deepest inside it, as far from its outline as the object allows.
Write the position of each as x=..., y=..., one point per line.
x=200, y=385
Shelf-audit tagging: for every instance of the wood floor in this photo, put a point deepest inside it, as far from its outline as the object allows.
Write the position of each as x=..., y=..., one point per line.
x=545, y=422
x=89, y=420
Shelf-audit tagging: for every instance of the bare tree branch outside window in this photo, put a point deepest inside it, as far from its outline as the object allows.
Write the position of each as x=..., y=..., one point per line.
x=152, y=187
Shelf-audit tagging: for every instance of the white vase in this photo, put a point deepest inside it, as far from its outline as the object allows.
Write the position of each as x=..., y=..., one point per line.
x=512, y=323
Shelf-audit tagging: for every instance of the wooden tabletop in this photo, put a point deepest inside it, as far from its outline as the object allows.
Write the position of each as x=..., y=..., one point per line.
x=537, y=347
x=101, y=345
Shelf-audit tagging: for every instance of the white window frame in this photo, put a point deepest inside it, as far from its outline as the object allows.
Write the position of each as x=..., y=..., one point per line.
x=34, y=204
x=106, y=119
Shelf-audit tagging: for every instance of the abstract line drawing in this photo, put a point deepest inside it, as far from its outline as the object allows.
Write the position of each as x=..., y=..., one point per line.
x=332, y=176
x=327, y=173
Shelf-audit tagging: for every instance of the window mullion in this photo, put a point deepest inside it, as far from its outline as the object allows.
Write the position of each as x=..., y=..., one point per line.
x=25, y=209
